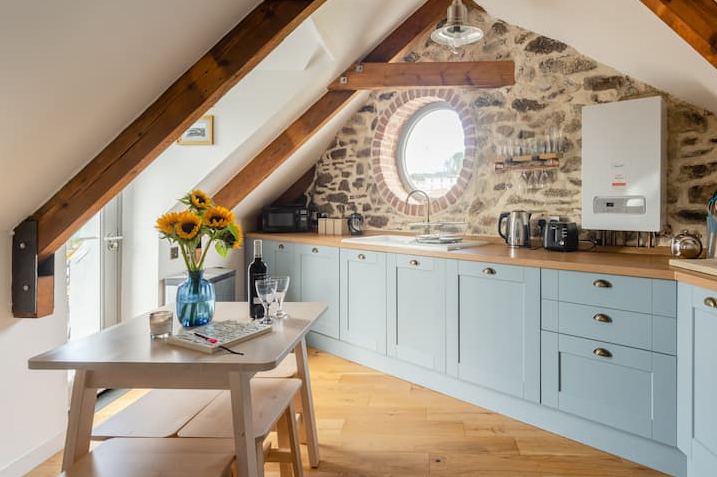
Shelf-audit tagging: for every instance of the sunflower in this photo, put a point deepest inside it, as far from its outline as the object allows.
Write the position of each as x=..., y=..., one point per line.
x=218, y=217
x=199, y=199
x=230, y=241
x=166, y=223
x=188, y=225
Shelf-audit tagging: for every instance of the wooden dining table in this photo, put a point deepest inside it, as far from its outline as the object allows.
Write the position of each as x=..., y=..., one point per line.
x=125, y=356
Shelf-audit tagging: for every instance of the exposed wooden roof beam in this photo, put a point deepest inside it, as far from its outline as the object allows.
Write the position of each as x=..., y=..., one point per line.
x=394, y=47
x=185, y=101
x=378, y=76
x=694, y=20
x=167, y=118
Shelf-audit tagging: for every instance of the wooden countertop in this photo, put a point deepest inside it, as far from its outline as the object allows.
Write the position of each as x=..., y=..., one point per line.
x=645, y=265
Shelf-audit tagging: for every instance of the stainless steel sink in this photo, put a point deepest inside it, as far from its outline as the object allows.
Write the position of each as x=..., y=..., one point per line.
x=408, y=241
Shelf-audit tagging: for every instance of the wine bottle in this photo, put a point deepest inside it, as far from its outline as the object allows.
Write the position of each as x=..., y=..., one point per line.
x=257, y=271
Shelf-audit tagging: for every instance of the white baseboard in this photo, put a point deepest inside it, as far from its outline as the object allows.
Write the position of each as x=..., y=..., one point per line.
x=35, y=457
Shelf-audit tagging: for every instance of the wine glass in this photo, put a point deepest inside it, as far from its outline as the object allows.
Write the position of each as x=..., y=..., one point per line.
x=544, y=179
x=282, y=285
x=533, y=180
x=266, y=289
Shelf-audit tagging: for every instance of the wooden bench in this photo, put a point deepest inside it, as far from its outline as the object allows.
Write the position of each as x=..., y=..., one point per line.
x=159, y=413
x=139, y=457
x=162, y=412
x=273, y=402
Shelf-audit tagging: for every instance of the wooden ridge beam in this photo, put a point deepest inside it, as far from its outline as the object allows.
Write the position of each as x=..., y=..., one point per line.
x=694, y=20
x=378, y=76
x=184, y=102
x=394, y=47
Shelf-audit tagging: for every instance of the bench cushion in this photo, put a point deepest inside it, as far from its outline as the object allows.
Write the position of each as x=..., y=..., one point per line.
x=123, y=457
x=270, y=398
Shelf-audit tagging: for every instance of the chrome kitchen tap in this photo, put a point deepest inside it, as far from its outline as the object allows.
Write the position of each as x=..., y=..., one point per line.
x=428, y=202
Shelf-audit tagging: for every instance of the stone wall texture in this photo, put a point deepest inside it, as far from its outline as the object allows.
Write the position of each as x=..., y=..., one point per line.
x=553, y=83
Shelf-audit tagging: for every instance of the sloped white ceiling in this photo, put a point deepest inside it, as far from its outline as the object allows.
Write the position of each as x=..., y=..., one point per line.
x=623, y=34
x=75, y=73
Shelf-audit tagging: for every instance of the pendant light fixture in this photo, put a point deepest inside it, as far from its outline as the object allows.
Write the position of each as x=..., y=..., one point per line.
x=457, y=32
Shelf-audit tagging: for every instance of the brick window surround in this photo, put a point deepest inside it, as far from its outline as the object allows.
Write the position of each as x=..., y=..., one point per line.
x=385, y=145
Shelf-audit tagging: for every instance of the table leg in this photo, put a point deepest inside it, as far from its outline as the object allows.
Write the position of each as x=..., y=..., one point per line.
x=239, y=385
x=307, y=403
x=79, y=423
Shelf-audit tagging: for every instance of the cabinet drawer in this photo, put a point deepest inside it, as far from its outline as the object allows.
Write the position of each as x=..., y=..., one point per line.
x=491, y=271
x=621, y=387
x=306, y=249
x=612, y=291
x=605, y=324
x=415, y=262
x=360, y=256
x=704, y=299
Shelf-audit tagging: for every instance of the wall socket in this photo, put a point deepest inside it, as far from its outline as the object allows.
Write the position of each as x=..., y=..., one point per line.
x=174, y=253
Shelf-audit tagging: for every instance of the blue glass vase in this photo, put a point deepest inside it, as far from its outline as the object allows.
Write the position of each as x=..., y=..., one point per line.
x=195, y=300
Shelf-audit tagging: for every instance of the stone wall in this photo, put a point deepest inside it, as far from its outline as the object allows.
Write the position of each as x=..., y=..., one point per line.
x=553, y=83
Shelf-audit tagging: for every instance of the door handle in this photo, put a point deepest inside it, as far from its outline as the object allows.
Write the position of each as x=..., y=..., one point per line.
x=602, y=318
x=314, y=250
x=711, y=302
x=602, y=352
x=414, y=263
x=602, y=284
x=489, y=271
x=113, y=242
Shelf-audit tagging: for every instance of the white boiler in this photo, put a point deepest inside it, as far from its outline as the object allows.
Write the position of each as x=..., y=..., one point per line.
x=623, y=170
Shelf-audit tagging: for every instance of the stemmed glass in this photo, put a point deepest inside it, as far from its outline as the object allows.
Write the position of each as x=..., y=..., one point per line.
x=282, y=285
x=266, y=290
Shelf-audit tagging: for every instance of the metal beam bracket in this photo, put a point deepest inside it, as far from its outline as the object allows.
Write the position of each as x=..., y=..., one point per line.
x=33, y=282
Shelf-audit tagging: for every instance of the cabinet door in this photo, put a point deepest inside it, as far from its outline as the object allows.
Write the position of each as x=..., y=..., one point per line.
x=318, y=271
x=626, y=388
x=363, y=299
x=704, y=385
x=281, y=260
x=499, y=328
x=416, y=310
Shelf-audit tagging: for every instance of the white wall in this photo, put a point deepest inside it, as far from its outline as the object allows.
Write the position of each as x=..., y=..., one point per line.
x=247, y=108
x=33, y=404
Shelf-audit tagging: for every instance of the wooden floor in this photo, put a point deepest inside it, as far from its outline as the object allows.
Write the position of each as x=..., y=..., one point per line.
x=371, y=424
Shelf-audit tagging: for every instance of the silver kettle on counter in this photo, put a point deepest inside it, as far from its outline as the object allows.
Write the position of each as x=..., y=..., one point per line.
x=517, y=230
x=686, y=245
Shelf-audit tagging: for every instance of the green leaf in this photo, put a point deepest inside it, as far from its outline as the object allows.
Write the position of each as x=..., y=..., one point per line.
x=221, y=248
x=233, y=229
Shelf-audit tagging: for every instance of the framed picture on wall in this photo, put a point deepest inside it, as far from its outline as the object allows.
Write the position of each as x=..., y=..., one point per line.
x=200, y=134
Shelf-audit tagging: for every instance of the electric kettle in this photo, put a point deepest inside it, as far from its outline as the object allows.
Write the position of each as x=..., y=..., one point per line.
x=355, y=222
x=517, y=230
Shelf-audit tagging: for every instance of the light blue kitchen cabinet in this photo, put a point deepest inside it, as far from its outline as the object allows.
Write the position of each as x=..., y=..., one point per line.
x=281, y=260
x=416, y=304
x=697, y=380
x=496, y=341
x=318, y=271
x=363, y=299
x=622, y=387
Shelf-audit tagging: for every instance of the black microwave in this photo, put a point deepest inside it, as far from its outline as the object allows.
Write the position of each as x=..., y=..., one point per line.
x=285, y=219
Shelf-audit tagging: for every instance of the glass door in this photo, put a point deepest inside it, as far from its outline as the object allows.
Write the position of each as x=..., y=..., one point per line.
x=93, y=272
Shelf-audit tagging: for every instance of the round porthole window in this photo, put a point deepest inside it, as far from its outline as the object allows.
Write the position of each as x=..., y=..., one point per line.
x=431, y=150
x=424, y=139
